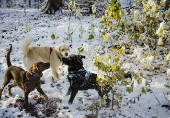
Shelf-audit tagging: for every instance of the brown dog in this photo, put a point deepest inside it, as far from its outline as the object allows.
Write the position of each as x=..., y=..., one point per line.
x=26, y=80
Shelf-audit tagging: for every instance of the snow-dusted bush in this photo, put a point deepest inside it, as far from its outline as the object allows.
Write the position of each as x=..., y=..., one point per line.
x=141, y=28
x=139, y=25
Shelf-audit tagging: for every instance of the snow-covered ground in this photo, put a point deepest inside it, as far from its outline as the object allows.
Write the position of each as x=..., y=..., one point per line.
x=15, y=24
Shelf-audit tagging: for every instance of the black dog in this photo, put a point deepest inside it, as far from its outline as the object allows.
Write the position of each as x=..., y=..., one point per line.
x=80, y=79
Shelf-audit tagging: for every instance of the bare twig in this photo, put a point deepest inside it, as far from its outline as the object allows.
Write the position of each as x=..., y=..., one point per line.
x=156, y=98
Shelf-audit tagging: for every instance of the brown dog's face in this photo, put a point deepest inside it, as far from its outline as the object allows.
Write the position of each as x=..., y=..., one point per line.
x=39, y=67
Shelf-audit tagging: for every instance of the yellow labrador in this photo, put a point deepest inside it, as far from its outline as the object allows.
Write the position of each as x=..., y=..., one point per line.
x=44, y=54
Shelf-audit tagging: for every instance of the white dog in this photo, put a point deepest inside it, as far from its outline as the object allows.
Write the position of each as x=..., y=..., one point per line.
x=43, y=54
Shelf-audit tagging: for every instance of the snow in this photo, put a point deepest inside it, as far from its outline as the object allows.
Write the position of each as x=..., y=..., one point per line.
x=15, y=24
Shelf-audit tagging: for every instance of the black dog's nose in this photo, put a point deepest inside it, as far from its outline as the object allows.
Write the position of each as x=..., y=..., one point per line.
x=66, y=54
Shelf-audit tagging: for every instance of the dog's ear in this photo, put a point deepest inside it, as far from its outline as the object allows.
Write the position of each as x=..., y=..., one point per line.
x=70, y=46
x=35, y=66
x=33, y=69
x=57, y=48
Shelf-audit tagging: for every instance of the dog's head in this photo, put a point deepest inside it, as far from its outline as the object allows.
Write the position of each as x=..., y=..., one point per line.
x=38, y=67
x=74, y=61
x=62, y=50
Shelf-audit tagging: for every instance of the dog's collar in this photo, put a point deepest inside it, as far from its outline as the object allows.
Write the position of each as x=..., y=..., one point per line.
x=51, y=49
x=82, y=72
x=75, y=73
x=36, y=75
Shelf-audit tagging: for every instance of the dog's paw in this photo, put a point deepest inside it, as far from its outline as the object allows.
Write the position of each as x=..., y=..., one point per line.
x=46, y=98
x=70, y=103
x=25, y=106
x=68, y=93
x=19, y=103
x=57, y=78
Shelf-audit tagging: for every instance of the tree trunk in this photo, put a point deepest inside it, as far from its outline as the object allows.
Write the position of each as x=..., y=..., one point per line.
x=29, y=2
x=52, y=6
x=167, y=4
x=0, y=3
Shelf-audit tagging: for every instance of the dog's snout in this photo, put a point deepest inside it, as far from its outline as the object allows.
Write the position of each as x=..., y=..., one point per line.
x=47, y=65
x=66, y=54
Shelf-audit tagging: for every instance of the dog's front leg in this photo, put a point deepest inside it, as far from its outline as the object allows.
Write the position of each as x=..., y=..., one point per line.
x=26, y=99
x=55, y=73
x=73, y=95
x=42, y=92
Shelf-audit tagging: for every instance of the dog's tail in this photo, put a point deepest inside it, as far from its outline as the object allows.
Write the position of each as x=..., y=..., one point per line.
x=8, y=56
x=24, y=48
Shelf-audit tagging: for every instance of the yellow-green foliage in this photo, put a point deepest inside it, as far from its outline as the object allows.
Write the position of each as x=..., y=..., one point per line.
x=111, y=65
x=139, y=25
